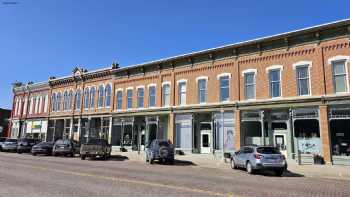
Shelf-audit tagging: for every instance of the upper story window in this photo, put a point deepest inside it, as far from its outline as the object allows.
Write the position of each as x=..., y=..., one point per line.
x=166, y=94
x=249, y=85
x=275, y=83
x=302, y=72
x=65, y=101
x=129, y=99
x=340, y=81
x=58, y=101
x=152, y=96
x=53, y=102
x=26, y=105
x=86, y=98
x=70, y=99
x=40, y=104
x=78, y=100
x=140, y=97
x=182, y=92
x=119, y=99
x=101, y=93
x=108, y=95
x=46, y=103
x=92, y=97
x=202, y=90
x=224, y=81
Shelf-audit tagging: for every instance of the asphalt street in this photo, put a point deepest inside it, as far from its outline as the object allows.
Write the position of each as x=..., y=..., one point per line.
x=29, y=176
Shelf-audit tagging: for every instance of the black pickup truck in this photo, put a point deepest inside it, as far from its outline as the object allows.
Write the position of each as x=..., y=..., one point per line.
x=95, y=148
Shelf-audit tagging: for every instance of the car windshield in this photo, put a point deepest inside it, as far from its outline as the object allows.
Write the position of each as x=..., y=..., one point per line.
x=96, y=142
x=45, y=143
x=11, y=140
x=163, y=143
x=268, y=150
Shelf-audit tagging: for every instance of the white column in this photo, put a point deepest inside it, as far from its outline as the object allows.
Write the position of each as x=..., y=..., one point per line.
x=110, y=130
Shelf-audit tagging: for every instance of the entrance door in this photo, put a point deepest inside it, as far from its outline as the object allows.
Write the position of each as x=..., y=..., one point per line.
x=280, y=141
x=205, y=142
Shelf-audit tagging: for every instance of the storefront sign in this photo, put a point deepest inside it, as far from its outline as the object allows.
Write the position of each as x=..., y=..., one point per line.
x=305, y=113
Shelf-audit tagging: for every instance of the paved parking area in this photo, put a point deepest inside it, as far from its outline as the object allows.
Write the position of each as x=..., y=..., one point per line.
x=25, y=175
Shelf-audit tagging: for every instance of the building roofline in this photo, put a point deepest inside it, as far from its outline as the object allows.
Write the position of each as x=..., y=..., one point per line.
x=215, y=49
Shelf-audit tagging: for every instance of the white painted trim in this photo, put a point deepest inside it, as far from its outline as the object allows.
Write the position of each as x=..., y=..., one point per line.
x=251, y=70
x=181, y=80
x=140, y=86
x=274, y=67
x=202, y=77
x=223, y=75
x=166, y=83
x=302, y=63
x=129, y=88
x=151, y=84
x=339, y=58
x=119, y=89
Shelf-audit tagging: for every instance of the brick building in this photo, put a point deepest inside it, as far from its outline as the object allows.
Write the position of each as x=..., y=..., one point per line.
x=289, y=90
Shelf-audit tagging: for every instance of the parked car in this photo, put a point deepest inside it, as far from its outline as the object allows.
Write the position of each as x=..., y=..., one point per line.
x=2, y=140
x=44, y=148
x=25, y=145
x=254, y=158
x=160, y=150
x=10, y=145
x=96, y=148
x=65, y=147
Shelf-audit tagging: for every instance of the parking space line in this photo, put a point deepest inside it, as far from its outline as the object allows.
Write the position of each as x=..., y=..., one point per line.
x=125, y=180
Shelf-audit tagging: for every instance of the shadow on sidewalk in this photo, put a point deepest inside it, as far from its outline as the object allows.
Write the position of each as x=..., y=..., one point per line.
x=177, y=163
x=118, y=158
x=285, y=174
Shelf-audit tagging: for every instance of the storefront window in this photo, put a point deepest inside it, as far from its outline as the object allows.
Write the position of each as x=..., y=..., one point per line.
x=340, y=137
x=224, y=131
x=307, y=134
x=183, y=132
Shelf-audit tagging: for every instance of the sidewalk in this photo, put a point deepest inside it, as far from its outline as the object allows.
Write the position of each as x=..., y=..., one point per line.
x=208, y=161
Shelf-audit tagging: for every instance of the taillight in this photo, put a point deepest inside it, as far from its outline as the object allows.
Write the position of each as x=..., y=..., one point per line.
x=258, y=156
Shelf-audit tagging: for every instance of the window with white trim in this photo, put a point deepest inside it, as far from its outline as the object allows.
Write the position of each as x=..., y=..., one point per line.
x=151, y=96
x=59, y=101
x=275, y=83
x=86, y=98
x=53, y=102
x=108, y=91
x=119, y=99
x=129, y=99
x=78, y=100
x=182, y=93
x=101, y=93
x=70, y=100
x=224, y=88
x=92, y=97
x=202, y=90
x=303, y=80
x=166, y=95
x=140, y=97
x=249, y=85
x=339, y=76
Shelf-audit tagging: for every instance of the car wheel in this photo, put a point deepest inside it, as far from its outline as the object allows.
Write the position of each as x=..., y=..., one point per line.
x=82, y=157
x=233, y=164
x=249, y=168
x=279, y=172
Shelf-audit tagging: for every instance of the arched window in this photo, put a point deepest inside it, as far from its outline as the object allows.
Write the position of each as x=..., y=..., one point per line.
x=108, y=95
x=101, y=93
x=58, y=101
x=86, y=98
x=92, y=97
x=78, y=100
x=53, y=102
x=65, y=101
x=70, y=100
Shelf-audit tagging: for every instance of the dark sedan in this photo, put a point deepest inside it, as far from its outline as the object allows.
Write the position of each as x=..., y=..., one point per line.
x=25, y=145
x=66, y=148
x=44, y=148
x=9, y=145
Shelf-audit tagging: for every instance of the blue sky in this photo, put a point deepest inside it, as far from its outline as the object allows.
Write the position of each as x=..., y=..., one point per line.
x=42, y=38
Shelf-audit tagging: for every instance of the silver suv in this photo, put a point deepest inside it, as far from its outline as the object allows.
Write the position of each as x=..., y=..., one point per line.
x=254, y=158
